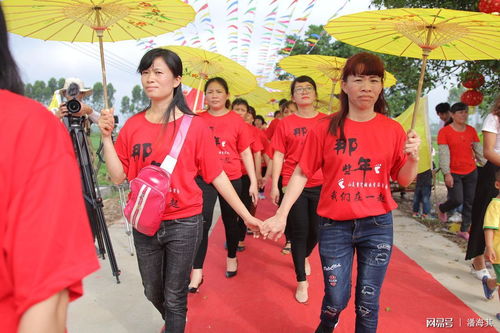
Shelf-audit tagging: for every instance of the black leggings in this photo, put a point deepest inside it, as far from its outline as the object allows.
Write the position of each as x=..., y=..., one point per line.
x=485, y=191
x=247, y=201
x=229, y=218
x=303, y=222
x=462, y=193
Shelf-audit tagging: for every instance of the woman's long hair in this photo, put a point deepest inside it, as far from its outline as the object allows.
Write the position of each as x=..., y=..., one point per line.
x=9, y=74
x=174, y=63
x=224, y=85
x=359, y=64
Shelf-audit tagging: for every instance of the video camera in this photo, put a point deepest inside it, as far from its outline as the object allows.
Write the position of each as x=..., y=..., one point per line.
x=73, y=105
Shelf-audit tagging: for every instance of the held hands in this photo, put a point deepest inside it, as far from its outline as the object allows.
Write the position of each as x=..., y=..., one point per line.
x=106, y=122
x=273, y=227
x=411, y=145
x=254, y=224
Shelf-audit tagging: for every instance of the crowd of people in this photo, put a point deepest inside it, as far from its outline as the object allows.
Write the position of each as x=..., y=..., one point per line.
x=329, y=176
x=344, y=185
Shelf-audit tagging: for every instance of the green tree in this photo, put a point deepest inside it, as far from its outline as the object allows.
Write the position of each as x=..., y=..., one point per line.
x=139, y=99
x=125, y=106
x=39, y=92
x=450, y=4
x=96, y=100
x=454, y=94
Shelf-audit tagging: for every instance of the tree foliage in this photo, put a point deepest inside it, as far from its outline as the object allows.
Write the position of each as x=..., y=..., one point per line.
x=139, y=100
x=42, y=92
x=97, y=97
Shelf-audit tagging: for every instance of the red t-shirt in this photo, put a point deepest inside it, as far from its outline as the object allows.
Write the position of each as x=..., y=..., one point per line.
x=45, y=239
x=231, y=138
x=289, y=139
x=141, y=143
x=265, y=144
x=460, y=144
x=255, y=145
x=357, y=172
x=271, y=128
x=269, y=151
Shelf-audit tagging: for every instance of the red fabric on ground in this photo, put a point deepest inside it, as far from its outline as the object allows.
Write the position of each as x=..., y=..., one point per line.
x=260, y=298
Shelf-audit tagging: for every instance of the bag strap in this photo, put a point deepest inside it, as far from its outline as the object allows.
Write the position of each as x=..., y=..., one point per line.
x=171, y=160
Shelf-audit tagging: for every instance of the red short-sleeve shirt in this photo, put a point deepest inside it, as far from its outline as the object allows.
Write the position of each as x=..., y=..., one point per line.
x=45, y=240
x=356, y=171
x=256, y=145
x=141, y=143
x=289, y=139
x=231, y=138
x=460, y=144
x=271, y=128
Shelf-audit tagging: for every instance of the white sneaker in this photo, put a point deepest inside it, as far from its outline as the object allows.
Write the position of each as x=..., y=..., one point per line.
x=456, y=217
x=478, y=274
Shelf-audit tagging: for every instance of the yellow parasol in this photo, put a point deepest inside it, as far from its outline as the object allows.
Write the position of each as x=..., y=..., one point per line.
x=423, y=131
x=201, y=65
x=428, y=33
x=95, y=21
x=258, y=96
x=326, y=71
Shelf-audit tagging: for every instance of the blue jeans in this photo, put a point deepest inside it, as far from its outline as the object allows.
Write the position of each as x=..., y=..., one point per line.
x=165, y=261
x=371, y=239
x=422, y=195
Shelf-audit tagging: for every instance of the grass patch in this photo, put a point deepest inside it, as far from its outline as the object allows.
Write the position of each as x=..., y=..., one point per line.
x=102, y=173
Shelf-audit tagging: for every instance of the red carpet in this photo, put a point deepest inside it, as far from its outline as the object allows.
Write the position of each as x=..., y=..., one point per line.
x=260, y=298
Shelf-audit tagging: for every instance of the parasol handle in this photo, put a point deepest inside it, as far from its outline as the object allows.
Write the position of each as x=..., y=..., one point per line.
x=197, y=96
x=334, y=83
x=103, y=70
x=205, y=65
x=99, y=32
x=425, y=54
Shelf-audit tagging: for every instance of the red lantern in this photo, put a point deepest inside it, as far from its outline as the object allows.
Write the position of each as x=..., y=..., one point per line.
x=472, y=97
x=489, y=6
x=473, y=80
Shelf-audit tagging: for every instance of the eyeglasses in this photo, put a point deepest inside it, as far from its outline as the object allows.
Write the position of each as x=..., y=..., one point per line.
x=300, y=90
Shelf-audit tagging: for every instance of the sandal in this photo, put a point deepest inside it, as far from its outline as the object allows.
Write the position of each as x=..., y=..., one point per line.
x=287, y=248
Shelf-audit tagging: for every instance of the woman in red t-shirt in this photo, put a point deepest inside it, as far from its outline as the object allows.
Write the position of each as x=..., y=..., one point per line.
x=459, y=147
x=288, y=142
x=359, y=150
x=241, y=107
x=233, y=141
x=165, y=259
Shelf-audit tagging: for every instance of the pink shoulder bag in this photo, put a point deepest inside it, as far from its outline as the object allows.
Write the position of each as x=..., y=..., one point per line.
x=149, y=190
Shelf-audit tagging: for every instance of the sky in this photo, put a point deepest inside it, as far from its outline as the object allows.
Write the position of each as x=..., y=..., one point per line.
x=41, y=60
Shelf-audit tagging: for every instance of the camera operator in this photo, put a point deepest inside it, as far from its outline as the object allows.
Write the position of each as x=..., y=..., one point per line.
x=74, y=91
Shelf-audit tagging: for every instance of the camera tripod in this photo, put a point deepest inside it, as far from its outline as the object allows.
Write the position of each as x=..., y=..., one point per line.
x=91, y=193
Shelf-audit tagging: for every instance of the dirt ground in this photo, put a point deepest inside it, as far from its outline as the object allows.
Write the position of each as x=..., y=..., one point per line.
x=112, y=209
x=438, y=195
